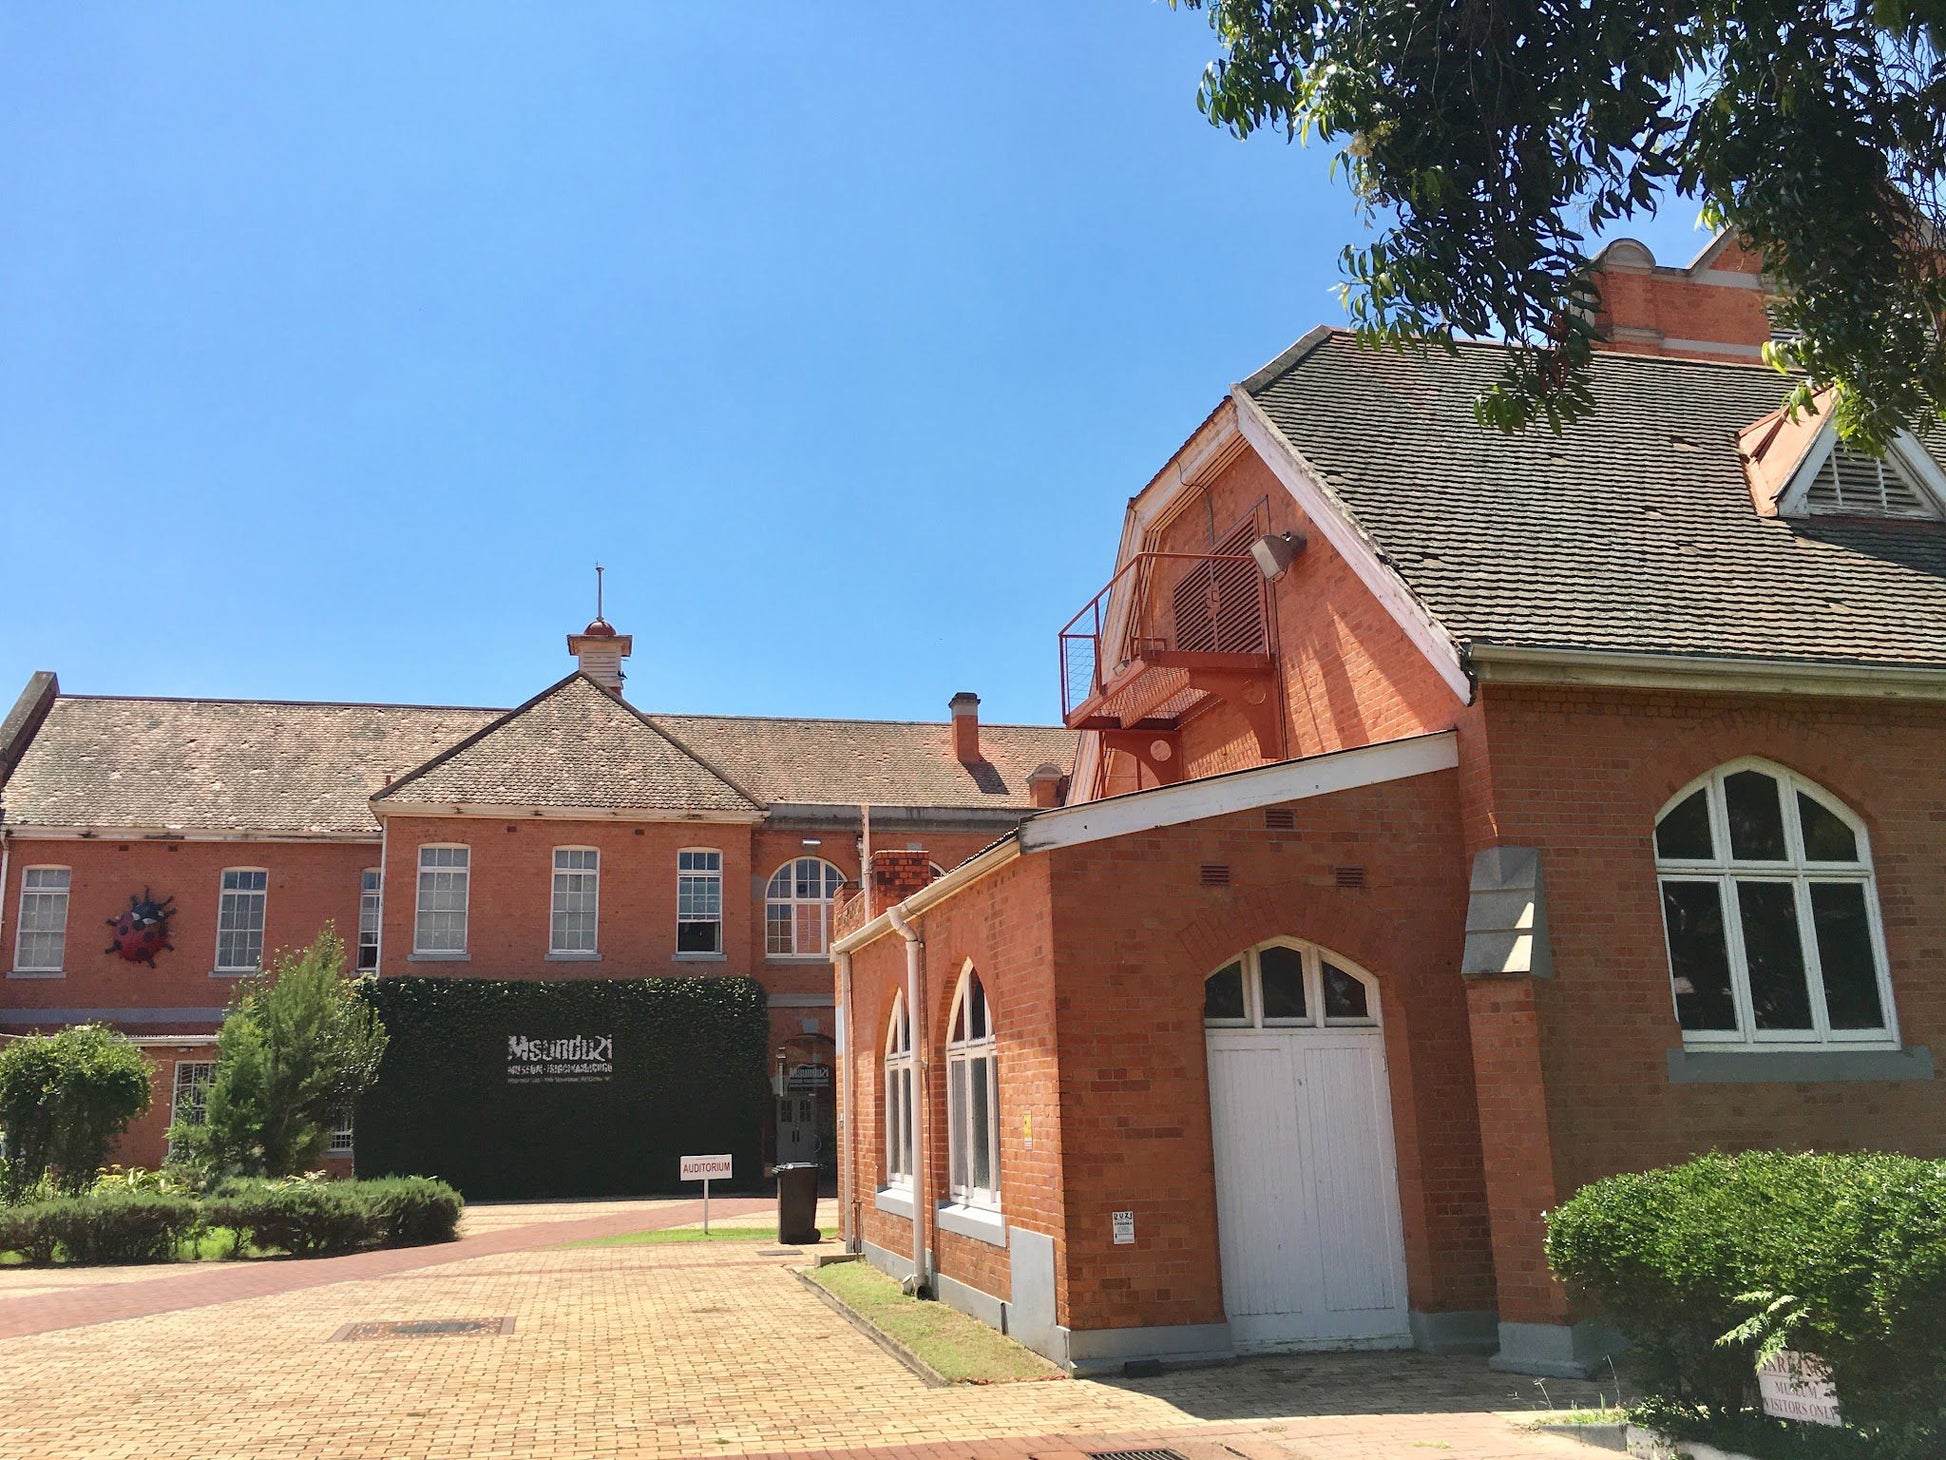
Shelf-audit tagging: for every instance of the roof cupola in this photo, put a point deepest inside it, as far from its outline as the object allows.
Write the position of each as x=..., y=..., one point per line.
x=599, y=649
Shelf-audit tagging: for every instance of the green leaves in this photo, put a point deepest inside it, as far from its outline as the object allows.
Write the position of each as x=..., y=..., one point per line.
x=297, y=1047
x=64, y=1098
x=1485, y=138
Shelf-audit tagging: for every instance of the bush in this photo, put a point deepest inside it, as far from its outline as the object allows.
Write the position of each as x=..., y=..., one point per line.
x=1710, y=1265
x=124, y=1226
x=64, y=1098
x=296, y=1049
x=145, y=1221
x=313, y=1218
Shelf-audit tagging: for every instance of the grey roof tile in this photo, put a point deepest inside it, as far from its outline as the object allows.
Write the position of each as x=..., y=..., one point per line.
x=573, y=746
x=1632, y=532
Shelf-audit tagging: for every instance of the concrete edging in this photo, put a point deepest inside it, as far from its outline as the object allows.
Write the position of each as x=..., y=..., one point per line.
x=877, y=1335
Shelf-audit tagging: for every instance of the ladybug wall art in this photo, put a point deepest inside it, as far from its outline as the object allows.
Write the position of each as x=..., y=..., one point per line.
x=143, y=931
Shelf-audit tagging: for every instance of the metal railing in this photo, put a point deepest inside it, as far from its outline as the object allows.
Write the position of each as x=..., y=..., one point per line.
x=1163, y=604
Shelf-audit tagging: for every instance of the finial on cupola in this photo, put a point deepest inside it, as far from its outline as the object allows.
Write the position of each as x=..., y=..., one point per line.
x=599, y=649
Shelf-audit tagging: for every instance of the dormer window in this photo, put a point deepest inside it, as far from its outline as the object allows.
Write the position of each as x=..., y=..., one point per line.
x=1852, y=484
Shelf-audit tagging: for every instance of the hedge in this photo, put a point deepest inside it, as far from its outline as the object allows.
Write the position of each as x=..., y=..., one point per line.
x=1841, y=1256
x=134, y=1226
x=315, y=1218
x=685, y=1075
x=304, y=1218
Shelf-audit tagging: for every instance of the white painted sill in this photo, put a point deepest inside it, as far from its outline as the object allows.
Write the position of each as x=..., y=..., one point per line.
x=439, y=958
x=234, y=972
x=574, y=958
x=37, y=973
x=700, y=957
x=797, y=958
x=982, y=1224
x=897, y=1200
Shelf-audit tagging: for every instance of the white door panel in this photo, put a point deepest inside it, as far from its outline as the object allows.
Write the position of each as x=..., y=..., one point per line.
x=1307, y=1188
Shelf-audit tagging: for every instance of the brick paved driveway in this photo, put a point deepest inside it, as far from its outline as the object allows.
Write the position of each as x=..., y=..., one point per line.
x=652, y=1351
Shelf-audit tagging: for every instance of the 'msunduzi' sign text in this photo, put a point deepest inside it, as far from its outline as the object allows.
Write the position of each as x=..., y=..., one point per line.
x=586, y=1059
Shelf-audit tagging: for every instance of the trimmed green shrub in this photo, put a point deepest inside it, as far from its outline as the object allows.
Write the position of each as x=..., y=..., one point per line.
x=409, y=1211
x=1710, y=1265
x=125, y=1226
x=64, y=1098
x=466, y=1091
x=317, y=1218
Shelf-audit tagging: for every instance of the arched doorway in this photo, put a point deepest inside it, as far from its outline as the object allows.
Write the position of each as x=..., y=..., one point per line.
x=1307, y=1191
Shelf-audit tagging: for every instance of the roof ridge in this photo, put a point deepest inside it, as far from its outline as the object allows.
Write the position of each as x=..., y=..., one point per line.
x=280, y=704
x=842, y=720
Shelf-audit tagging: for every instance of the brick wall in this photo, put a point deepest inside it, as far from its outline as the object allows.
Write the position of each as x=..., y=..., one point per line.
x=1582, y=774
x=309, y=884
x=1094, y=959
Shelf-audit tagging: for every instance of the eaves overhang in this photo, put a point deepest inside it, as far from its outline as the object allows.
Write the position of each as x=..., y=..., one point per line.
x=513, y=811
x=1700, y=673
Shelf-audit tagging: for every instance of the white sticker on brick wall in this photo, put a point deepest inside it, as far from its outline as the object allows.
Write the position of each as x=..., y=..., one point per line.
x=1124, y=1225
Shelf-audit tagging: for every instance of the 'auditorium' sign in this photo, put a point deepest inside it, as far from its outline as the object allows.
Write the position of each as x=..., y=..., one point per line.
x=586, y=1059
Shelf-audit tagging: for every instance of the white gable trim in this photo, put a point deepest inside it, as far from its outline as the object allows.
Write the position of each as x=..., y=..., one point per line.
x=1913, y=459
x=1271, y=785
x=1335, y=521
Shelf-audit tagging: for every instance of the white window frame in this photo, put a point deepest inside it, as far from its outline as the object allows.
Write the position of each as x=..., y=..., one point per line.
x=791, y=903
x=1314, y=957
x=555, y=912
x=338, y=1144
x=188, y=1077
x=962, y=1054
x=1796, y=870
x=699, y=876
x=371, y=918
x=35, y=902
x=900, y=1074
x=420, y=912
x=232, y=900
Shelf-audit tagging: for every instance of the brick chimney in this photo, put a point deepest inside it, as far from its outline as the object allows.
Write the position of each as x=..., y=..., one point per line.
x=1044, y=785
x=1710, y=309
x=896, y=875
x=600, y=651
x=966, y=728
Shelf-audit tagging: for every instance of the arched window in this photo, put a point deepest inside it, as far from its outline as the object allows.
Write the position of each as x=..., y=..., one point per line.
x=973, y=1096
x=797, y=908
x=1771, y=913
x=898, y=1096
x=1287, y=984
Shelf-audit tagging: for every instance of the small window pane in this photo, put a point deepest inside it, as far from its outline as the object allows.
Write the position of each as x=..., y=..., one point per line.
x=1283, y=983
x=979, y=1130
x=1699, y=960
x=1223, y=996
x=1851, y=994
x=1685, y=830
x=1344, y=995
x=976, y=1009
x=1779, y=995
x=1826, y=838
x=956, y=1120
x=1756, y=817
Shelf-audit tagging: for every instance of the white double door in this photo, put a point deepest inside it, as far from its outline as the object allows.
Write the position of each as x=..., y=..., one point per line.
x=1307, y=1191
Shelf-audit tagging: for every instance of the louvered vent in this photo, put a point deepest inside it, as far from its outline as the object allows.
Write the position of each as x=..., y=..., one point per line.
x=1857, y=485
x=1350, y=876
x=1216, y=874
x=1280, y=818
x=1217, y=604
x=1780, y=332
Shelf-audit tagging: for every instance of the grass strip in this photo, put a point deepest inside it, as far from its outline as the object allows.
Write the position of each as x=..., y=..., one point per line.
x=956, y=1347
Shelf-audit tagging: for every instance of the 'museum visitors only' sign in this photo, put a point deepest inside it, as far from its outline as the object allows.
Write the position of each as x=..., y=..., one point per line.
x=586, y=1059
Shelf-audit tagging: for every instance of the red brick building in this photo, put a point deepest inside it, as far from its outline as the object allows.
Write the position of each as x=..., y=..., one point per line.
x=1458, y=818
x=573, y=837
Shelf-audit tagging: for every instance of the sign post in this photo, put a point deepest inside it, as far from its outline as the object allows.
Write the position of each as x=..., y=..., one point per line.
x=706, y=1169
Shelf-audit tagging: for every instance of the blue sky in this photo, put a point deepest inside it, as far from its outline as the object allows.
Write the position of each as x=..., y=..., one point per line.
x=337, y=342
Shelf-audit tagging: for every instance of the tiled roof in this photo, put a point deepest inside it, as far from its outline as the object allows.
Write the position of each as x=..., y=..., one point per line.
x=222, y=765
x=310, y=769
x=1633, y=531
x=573, y=746
x=882, y=762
